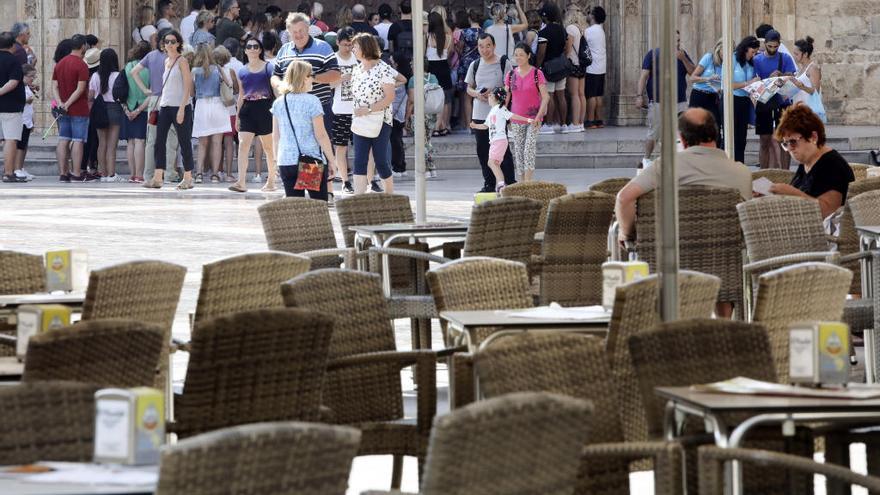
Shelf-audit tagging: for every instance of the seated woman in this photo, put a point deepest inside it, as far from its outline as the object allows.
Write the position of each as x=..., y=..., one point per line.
x=823, y=174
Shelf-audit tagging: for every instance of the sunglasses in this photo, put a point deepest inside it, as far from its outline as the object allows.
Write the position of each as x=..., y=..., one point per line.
x=788, y=144
x=170, y=41
x=251, y=46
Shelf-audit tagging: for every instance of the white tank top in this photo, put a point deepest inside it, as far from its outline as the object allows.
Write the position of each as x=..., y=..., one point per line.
x=804, y=78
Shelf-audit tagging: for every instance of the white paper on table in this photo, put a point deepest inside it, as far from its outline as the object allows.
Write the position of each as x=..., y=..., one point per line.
x=762, y=185
x=555, y=311
x=83, y=473
x=748, y=386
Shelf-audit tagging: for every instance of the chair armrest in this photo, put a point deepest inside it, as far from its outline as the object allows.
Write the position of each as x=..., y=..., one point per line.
x=180, y=345
x=7, y=339
x=712, y=459
x=668, y=460
x=349, y=255
x=425, y=374
x=849, y=258
x=409, y=253
x=788, y=259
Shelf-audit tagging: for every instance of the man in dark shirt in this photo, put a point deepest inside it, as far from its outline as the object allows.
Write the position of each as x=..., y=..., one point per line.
x=551, y=44
x=400, y=39
x=228, y=26
x=359, y=20
x=11, y=104
x=22, y=33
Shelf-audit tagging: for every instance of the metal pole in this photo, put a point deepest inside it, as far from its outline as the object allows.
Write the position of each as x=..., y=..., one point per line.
x=668, y=197
x=419, y=108
x=727, y=73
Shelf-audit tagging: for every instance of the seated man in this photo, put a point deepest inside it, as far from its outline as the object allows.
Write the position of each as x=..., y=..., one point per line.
x=700, y=164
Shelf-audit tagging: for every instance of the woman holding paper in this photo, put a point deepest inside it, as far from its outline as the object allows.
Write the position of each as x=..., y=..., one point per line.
x=707, y=84
x=809, y=80
x=743, y=75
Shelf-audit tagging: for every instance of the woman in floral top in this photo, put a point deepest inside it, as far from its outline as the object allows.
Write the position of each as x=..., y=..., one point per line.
x=372, y=85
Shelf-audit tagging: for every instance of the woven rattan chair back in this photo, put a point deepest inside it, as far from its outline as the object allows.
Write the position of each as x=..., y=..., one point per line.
x=797, y=293
x=539, y=191
x=574, y=248
x=567, y=364
x=775, y=175
x=860, y=170
x=709, y=236
x=47, y=421
x=696, y=351
x=363, y=327
x=109, y=353
x=21, y=273
x=847, y=236
x=265, y=458
x=865, y=207
x=298, y=225
x=610, y=186
x=635, y=310
x=262, y=365
x=522, y=443
x=503, y=228
x=372, y=209
x=246, y=282
x=780, y=225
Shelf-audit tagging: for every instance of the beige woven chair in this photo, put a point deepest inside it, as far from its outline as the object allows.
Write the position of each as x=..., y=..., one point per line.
x=634, y=311
x=476, y=283
x=539, y=191
x=860, y=170
x=20, y=273
x=610, y=186
x=261, y=365
x=775, y=175
x=578, y=366
x=574, y=248
x=698, y=351
x=47, y=421
x=246, y=282
x=796, y=293
x=145, y=291
x=264, y=458
x=709, y=237
x=521, y=443
x=110, y=353
x=363, y=386
x=847, y=236
x=303, y=226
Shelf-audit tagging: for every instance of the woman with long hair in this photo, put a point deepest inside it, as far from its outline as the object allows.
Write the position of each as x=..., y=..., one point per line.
x=145, y=29
x=101, y=86
x=469, y=23
x=743, y=75
x=174, y=110
x=575, y=24
x=211, y=118
x=255, y=113
x=809, y=79
x=706, y=78
x=438, y=48
x=502, y=31
x=135, y=123
x=298, y=129
x=527, y=96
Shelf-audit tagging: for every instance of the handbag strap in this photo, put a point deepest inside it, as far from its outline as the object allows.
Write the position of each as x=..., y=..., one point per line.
x=165, y=79
x=287, y=109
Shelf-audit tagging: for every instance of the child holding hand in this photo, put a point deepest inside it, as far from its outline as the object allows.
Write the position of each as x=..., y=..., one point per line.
x=496, y=123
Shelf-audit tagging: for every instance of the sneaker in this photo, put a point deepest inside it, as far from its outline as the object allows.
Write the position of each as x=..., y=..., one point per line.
x=92, y=177
x=557, y=128
x=64, y=178
x=231, y=178
x=875, y=156
x=546, y=129
x=570, y=129
x=375, y=186
x=646, y=162
x=13, y=178
x=215, y=179
x=431, y=174
x=23, y=174
x=599, y=124
x=113, y=178
x=498, y=187
x=104, y=179
x=257, y=179
x=337, y=179
x=77, y=178
x=397, y=175
x=346, y=188
x=133, y=179
x=330, y=199
x=199, y=178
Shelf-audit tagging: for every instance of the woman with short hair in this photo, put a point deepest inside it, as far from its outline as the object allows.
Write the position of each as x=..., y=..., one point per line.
x=202, y=35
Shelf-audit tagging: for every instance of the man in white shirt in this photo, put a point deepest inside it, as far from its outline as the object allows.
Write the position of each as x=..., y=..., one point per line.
x=594, y=85
x=343, y=106
x=188, y=23
x=385, y=24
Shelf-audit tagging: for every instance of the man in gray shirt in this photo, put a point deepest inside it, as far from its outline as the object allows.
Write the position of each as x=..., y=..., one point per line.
x=490, y=73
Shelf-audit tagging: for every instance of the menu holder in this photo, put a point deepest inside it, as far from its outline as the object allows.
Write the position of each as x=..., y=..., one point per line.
x=129, y=425
x=819, y=353
x=38, y=318
x=67, y=270
x=617, y=273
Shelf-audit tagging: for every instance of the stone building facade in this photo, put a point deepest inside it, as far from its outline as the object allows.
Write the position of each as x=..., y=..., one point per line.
x=847, y=34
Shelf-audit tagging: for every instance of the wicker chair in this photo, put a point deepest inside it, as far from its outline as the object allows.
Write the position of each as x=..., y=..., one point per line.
x=20, y=273
x=477, y=283
x=264, y=458
x=801, y=292
x=610, y=186
x=635, y=310
x=521, y=443
x=539, y=191
x=303, y=226
x=860, y=170
x=710, y=240
x=262, y=365
x=775, y=175
x=363, y=385
x=574, y=248
x=110, y=353
x=578, y=366
x=246, y=282
x=690, y=352
x=47, y=421
x=145, y=291
x=847, y=237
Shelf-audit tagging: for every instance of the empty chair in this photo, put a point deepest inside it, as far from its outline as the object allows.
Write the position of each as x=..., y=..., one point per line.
x=865, y=206
x=21, y=273
x=860, y=170
x=303, y=226
x=774, y=175
x=539, y=191
x=261, y=365
x=578, y=366
x=246, y=282
x=574, y=248
x=110, y=353
x=363, y=385
x=797, y=293
x=847, y=236
x=47, y=421
x=610, y=186
x=264, y=458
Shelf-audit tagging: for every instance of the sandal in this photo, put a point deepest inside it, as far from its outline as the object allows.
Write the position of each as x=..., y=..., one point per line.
x=445, y=132
x=237, y=188
x=185, y=184
x=269, y=187
x=436, y=134
x=153, y=184
x=215, y=179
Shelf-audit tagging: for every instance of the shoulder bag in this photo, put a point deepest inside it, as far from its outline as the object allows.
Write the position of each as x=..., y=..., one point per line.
x=310, y=173
x=226, y=94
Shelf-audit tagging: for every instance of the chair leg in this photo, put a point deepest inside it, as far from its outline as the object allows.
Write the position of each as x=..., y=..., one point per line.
x=424, y=328
x=837, y=452
x=397, y=472
x=415, y=333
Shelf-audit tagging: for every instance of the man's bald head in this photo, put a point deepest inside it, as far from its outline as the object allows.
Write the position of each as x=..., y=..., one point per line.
x=697, y=127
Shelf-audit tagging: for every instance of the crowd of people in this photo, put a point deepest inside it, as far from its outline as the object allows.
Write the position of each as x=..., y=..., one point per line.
x=214, y=79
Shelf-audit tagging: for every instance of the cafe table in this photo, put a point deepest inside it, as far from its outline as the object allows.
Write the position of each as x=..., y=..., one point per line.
x=81, y=478
x=786, y=411
x=869, y=240
x=384, y=235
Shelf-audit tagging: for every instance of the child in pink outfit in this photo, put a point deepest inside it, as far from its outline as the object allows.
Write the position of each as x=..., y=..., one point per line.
x=496, y=123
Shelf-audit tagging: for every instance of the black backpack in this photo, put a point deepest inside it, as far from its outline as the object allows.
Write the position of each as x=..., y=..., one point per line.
x=120, y=88
x=404, y=42
x=476, y=64
x=585, y=56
